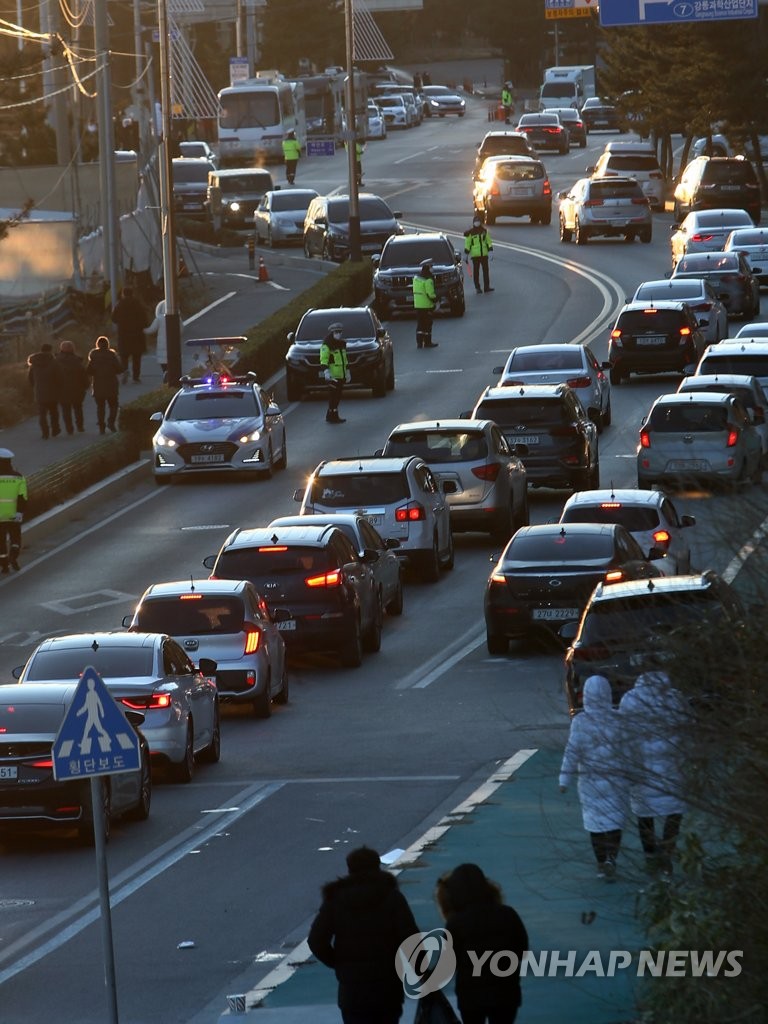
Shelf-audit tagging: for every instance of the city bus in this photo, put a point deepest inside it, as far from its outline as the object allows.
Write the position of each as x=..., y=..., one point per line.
x=254, y=117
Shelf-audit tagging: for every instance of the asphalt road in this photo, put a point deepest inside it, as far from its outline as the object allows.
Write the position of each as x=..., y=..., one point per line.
x=234, y=861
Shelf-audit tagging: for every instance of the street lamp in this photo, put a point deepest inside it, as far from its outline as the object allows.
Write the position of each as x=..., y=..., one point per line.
x=354, y=200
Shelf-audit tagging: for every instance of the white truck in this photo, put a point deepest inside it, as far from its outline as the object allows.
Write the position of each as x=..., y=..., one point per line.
x=567, y=86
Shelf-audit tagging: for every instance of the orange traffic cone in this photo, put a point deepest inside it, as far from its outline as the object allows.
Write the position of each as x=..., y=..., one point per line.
x=263, y=275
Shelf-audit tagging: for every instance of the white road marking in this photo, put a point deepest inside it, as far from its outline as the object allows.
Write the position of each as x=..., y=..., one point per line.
x=87, y=602
x=459, y=370
x=441, y=663
x=210, y=526
x=737, y=562
x=207, y=309
x=403, y=159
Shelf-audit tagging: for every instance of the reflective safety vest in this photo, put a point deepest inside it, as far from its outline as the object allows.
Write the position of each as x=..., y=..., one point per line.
x=335, y=359
x=477, y=242
x=424, y=295
x=12, y=488
x=291, y=149
x=506, y=98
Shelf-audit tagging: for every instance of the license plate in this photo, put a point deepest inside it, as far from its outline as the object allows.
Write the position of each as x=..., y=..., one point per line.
x=654, y=339
x=555, y=614
x=374, y=520
x=693, y=465
x=519, y=190
x=191, y=206
x=197, y=459
x=289, y=624
x=533, y=439
x=601, y=124
x=729, y=188
x=9, y=772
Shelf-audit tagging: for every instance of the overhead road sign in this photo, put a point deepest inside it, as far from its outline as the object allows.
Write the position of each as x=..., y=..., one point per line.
x=569, y=8
x=614, y=13
x=95, y=737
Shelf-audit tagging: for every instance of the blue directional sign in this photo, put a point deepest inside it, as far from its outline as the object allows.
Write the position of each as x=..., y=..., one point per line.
x=321, y=147
x=669, y=12
x=95, y=737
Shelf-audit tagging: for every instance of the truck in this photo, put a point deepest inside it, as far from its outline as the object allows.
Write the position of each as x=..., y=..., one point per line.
x=567, y=86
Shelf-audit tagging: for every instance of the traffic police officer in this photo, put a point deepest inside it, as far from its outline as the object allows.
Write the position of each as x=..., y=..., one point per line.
x=424, y=302
x=506, y=101
x=13, y=499
x=291, y=154
x=333, y=359
x=477, y=245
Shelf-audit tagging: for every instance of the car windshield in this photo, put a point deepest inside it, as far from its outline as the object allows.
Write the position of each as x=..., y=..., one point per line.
x=437, y=90
x=527, y=412
x=409, y=252
x=439, y=446
x=557, y=90
x=390, y=101
x=273, y=560
x=532, y=358
x=187, y=172
x=213, y=405
x=296, y=201
x=730, y=172
x=702, y=263
x=109, y=662
x=604, y=188
x=371, y=208
x=190, y=614
x=619, y=622
x=707, y=219
x=689, y=417
x=559, y=547
x=501, y=145
x=314, y=326
x=519, y=171
x=359, y=490
x=754, y=365
x=631, y=163
x=260, y=182
x=650, y=321
x=635, y=518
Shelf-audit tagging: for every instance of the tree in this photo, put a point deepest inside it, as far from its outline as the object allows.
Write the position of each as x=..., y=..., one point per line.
x=298, y=29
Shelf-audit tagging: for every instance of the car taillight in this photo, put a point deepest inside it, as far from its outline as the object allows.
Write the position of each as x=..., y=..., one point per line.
x=645, y=439
x=495, y=190
x=252, y=641
x=498, y=577
x=151, y=703
x=43, y=762
x=487, y=472
x=733, y=436
x=412, y=513
x=579, y=382
x=325, y=579
x=685, y=333
x=661, y=537
x=593, y=202
x=591, y=652
x=614, y=576
x=639, y=201
x=701, y=238
x=547, y=188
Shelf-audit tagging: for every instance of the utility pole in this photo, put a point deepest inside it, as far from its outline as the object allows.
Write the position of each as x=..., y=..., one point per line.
x=109, y=221
x=172, y=319
x=355, y=253
x=140, y=89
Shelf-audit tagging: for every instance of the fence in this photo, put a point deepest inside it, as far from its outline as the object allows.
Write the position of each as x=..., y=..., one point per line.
x=51, y=310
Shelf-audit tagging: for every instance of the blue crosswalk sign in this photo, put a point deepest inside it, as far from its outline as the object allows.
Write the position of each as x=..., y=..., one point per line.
x=95, y=737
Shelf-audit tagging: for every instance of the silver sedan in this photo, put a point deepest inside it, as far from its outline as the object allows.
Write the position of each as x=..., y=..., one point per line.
x=279, y=217
x=705, y=302
x=705, y=231
x=146, y=672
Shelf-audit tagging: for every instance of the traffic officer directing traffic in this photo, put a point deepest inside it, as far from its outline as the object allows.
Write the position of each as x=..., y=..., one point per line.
x=477, y=245
x=424, y=302
x=333, y=359
x=13, y=500
x=291, y=154
x=506, y=101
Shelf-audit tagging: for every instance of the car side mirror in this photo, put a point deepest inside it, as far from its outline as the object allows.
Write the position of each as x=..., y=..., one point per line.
x=656, y=553
x=378, y=453
x=16, y=672
x=370, y=555
x=391, y=543
x=156, y=417
x=448, y=486
x=375, y=259
x=497, y=370
x=667, y=273
x=569, y=630
x=520, y=450
x=291, y=336
x=127, y=620
x=397, y=214
x=703, y=322
x=456, y=258
x=687, y=520
x=280, y=615
x=562, y=195
x=298, y=495
x=208, y=666
x=674, y=227
x=209, y=561
x=590, y=169
x=466, y=415
x=273, y=409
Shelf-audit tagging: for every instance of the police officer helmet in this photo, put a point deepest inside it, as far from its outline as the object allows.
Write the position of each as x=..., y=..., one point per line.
x=477, y=222
x=336, y=328
x=6, y=453
x=426, y=263
x=291, y=134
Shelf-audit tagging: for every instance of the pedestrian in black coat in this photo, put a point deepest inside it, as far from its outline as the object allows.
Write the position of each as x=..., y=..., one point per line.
x=130, y=318
x=104, y=368
x=478, y=921
x=362, y=921
x=74, y=384
x=45, y=377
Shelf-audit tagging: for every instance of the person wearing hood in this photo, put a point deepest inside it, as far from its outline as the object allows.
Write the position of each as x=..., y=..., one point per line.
x=13, y=501
x=335, y=369
x=593, y=757
x=291, y=154
x=74, y=384
x=654, y=716
x=361, y=923
x=480, y=923
x=424, y=302
x=45, y=377
x=477, y=246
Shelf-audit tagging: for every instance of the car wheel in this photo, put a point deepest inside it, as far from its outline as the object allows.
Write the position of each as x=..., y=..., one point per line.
x=282, y=696
x=212, y=753
x=380, y=309
x=379, y=388
x=307, y=250
x=395, y=606
x=646, y=235
x=429, y=564
x=496, y=643
x=268, y=240
x=391, y=376
x=262, y=705
x=490, y=218
x=282, y=462
x=266, y=473
x=327, y=253
x=351, y=653
x=86, y=833
x=606, y=416
x=546, y=218
x=535, y=219
x=185, y=769
x=450, y=558
x=524, y=518
x=580, y=235
x=141, y=811
x=757, y=472
x=293, y=388
x=583, y=144
x=504, y=526
x=163, y=481
x=372, y=639
x=565, y=233
x=615, y=376
x=458, y=307
x=629, y=236
x=594, y=477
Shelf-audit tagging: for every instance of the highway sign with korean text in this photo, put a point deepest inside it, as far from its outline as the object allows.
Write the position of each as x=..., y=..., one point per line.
x=95, y=737
x=321, y=147
x=670, y=12
x=569, y=8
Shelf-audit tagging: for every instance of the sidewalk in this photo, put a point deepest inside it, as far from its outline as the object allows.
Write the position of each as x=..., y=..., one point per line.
x=529, y=838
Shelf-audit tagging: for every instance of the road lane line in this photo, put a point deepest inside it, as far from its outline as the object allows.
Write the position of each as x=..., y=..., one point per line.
x=207, y=309
x=441, y=663
x=738, y=561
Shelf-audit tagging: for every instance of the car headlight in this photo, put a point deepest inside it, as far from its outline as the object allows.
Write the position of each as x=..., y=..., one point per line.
x=462, y=103
x=250, y=437
x=434, y=103
x=234, y=207
x=163, y=441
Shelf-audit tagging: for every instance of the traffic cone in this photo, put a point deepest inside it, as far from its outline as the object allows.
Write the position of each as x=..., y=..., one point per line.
x=263, y=275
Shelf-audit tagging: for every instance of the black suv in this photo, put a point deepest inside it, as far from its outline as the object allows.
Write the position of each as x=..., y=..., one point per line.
x=627, y=626
x=501, y=143
x=547, y=572
x=547, y=427
x=370, y=354
x=654, y=337
x=716, y=182
x=326, y=226
x=190, y=186
x=318, y=589
x=400, y=261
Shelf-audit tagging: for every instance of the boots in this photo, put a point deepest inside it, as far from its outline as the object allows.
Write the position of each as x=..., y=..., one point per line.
x=332, y=416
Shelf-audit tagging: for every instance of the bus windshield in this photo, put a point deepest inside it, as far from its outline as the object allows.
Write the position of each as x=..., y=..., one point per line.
x=249, y=110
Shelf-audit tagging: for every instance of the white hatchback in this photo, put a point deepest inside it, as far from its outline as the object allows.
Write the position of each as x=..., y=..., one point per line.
x=753, y=242
x=706, y=231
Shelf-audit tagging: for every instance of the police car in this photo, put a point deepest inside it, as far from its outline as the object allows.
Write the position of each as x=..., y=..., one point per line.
x=219, y=422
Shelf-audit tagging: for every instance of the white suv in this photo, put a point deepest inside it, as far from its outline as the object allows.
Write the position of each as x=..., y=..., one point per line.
x=636, y=160
x=401, y=497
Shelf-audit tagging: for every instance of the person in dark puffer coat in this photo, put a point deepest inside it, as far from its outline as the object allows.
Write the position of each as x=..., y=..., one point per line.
x=74, y=384
x=357, y=931
x=104, y=369
x=45, y=379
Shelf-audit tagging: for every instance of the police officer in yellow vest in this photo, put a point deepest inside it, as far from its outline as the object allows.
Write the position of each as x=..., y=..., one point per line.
x=506, y=101
x=291, y=154
x=477, y=245
x=359, y=150
x=13, y=499
x=424, y=302
x=335, y=369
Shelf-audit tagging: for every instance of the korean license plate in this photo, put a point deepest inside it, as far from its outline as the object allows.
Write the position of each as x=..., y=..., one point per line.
x=532, y=439
x=692, y=465
x=375, y=520
x=519, y=190
x=289, y=624
x=652, y=339
x=198, y=459
x=555, y=614
x=9, y=771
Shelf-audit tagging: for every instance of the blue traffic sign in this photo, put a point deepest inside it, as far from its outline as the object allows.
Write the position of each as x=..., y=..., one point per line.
x=321, y=147
x=665, y=12
x=95, y=737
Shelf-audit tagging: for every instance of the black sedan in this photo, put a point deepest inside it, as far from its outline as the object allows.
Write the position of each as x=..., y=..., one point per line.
x=730, y=275
x=546, y=574
x=599, y=116
x=30, y=717
x=370, y=355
